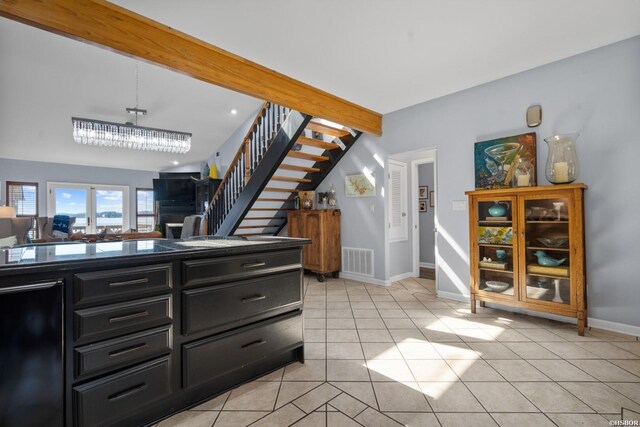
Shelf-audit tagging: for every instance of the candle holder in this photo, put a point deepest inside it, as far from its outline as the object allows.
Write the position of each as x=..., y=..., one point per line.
x=523, y=176
x=562, y=160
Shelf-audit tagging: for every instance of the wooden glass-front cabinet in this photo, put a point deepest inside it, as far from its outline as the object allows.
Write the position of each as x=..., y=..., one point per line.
x=527, y=249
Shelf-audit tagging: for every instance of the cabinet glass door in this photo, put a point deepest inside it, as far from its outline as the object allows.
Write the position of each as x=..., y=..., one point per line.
x=546, y=256
x=496, y=247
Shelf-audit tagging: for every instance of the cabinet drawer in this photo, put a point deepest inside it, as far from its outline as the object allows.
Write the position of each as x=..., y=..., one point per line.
x=107, y=400
x=217, y=270
x=120, y=352
x=207, y=359
x=106, y=285
x=216, y=306
x=117, y=319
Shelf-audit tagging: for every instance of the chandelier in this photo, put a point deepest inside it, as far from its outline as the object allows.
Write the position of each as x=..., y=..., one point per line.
x=128, y=135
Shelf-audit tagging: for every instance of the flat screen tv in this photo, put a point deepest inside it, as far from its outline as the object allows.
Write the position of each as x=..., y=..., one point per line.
x=178, y=190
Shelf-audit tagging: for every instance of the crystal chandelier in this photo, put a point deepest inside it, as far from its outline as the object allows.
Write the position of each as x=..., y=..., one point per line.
x=128, y=135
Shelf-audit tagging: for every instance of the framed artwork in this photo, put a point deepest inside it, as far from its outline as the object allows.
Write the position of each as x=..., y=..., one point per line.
x=496, y=160
x=422, y=206
x=423, y=192
x=431, y=199
x=359, y=186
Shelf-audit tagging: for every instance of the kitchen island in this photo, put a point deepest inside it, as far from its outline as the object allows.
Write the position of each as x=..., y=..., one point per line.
x=134, y=331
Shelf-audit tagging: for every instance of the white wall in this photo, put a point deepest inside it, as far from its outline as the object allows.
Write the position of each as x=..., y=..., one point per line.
x=43, y=172
x=596, y=93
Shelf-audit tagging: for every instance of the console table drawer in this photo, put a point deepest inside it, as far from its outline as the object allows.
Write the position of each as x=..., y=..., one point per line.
x=106, y=285
x=122, y=352
x=217, y=270
x=207, y=359
x=108, y=321
x=105, y=401
x=213, y=307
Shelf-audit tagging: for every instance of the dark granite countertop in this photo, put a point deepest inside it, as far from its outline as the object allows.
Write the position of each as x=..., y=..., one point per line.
x=60, y=255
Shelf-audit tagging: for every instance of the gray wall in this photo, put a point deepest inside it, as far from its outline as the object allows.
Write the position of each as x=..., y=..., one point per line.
x=427, y=236
x=596, y=93
x=43, y=172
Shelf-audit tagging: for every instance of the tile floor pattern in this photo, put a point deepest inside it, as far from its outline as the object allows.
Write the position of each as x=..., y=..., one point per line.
x=398, y=355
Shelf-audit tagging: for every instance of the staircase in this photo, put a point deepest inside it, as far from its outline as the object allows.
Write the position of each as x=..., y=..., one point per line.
x=283, y=152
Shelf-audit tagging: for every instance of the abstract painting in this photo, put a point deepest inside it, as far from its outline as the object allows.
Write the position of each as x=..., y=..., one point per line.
x=359, y=186
x=496, y=160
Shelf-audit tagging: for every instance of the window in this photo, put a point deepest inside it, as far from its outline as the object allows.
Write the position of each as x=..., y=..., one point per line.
x=144, y=210
x=398, y=225
x=95, y=207
x=24, y=197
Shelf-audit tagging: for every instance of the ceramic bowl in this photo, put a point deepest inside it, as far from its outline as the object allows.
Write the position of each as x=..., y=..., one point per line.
x=497, y=286
x=553, y=243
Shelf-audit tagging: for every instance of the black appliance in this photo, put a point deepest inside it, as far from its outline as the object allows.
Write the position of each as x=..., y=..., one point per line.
x=31, y=362
x=177, y=190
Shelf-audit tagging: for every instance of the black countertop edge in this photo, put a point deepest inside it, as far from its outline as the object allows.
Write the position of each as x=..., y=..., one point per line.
x=169, y=249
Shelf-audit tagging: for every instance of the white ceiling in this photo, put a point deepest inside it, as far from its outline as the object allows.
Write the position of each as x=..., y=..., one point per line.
x=382, y=54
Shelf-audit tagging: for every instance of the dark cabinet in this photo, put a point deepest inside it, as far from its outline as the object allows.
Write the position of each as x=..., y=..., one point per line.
x=210, y=358
x=241, y=301
x=107, y=401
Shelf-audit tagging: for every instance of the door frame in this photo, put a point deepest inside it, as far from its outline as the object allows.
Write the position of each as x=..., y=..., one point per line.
x=427, y=156
x=91, y=200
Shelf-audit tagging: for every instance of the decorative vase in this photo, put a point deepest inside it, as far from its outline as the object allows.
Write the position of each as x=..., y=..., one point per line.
x=562, y=161
x=332, y=197
x=498, y=209
x=523, y=174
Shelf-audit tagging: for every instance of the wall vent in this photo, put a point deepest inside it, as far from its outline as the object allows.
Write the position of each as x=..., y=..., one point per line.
x=357, y=261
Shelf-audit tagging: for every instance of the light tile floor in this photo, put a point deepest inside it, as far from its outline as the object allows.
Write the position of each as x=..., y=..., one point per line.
x=398, y=355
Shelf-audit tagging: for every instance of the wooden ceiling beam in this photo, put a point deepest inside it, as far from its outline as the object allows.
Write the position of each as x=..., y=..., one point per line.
x=113, y=27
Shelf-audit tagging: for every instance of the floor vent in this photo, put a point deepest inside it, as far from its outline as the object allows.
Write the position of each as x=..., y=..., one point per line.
x=357, y=261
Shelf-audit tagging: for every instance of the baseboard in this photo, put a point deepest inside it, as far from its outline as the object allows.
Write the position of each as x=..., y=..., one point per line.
x=452, y=296
x=427, y=265
x=398, y=277
x=621, y=328
x=362, y=278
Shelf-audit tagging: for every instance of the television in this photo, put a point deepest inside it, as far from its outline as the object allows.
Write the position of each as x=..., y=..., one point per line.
x=174, y=189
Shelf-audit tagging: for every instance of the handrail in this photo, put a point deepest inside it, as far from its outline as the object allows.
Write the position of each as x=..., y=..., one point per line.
x=251, y=151
x=241, y=149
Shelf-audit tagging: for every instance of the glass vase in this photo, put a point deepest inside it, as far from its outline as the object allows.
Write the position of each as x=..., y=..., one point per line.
x=523, y=174
x=562, y=161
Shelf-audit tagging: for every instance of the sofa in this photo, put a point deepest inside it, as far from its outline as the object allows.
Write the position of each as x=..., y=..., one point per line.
x=18, y=227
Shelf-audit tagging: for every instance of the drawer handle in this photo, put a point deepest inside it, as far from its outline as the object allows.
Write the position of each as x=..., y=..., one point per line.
x=254, y=264
x=254, y=344
x=252, y=299
x=128, y=316
x=129, y=282
x=128, y=392
x=117, y=353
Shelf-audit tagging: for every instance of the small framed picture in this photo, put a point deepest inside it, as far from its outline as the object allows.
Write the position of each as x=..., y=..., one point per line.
x=431, y=199
x=422, y=206
x=423, y=192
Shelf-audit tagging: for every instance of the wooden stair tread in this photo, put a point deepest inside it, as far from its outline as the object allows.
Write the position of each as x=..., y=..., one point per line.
x=307, y=156
x=303, y=140
x=263, y=218
x=288, y=167
x=326, y=129
x=289, y=179
x=280, y=190
x=273, y=200
x=266, y=209
x=259, y=226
